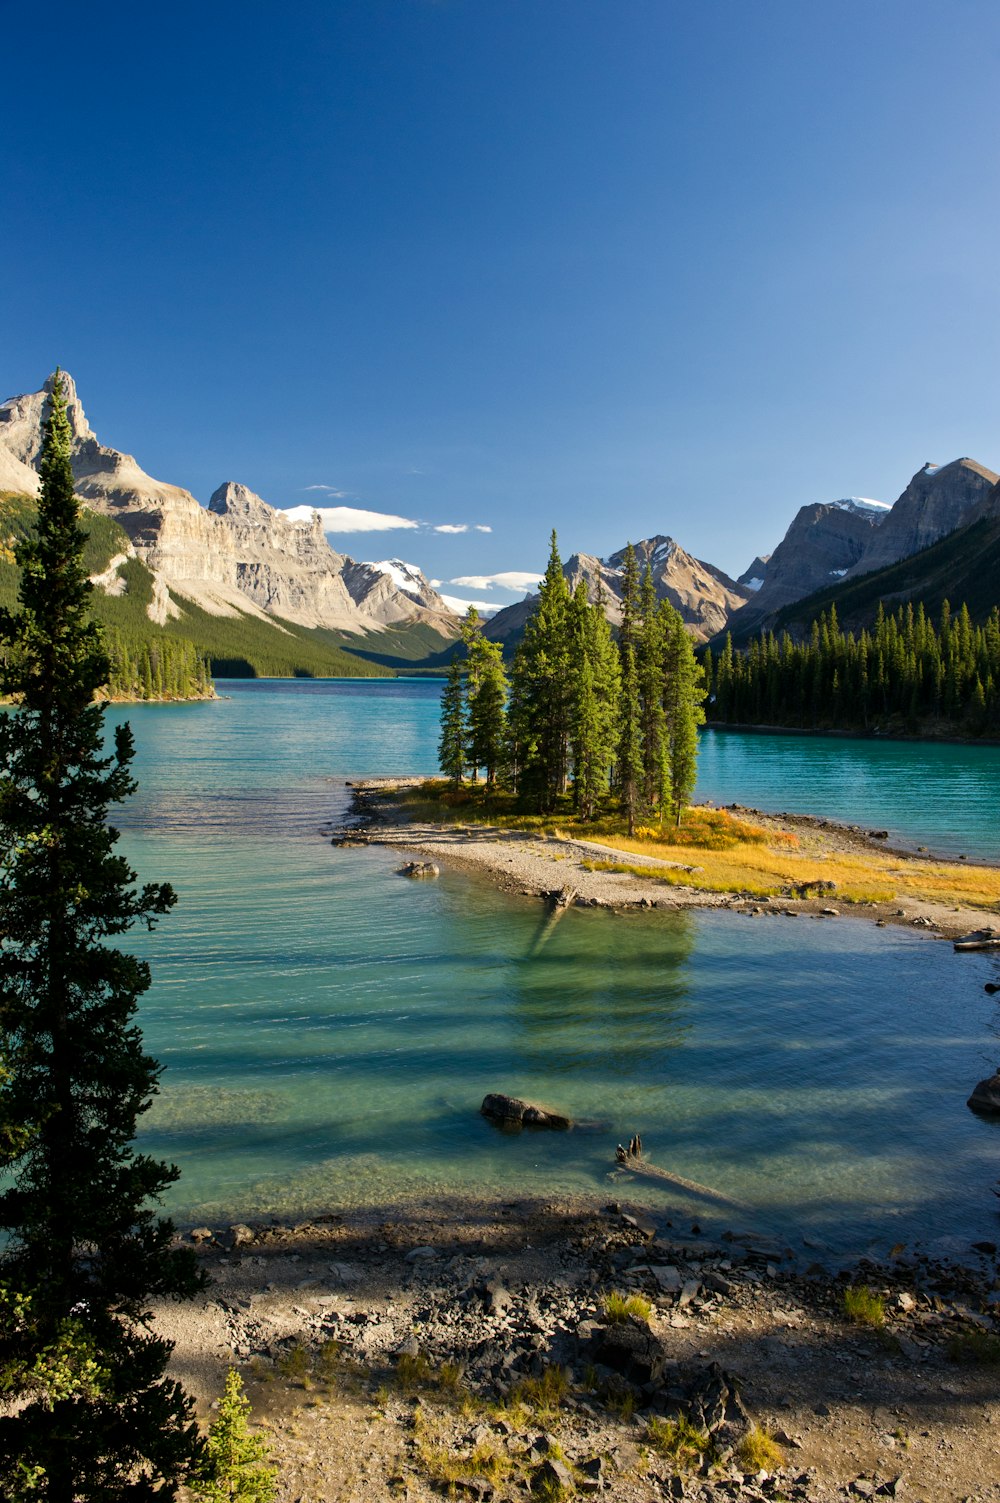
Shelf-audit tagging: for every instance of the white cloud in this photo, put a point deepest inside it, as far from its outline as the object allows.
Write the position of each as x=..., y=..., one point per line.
x=512, y=579
x=452, y=527
x=349, y=519
x=484, y=607
x=481, y=527
x=331, y=490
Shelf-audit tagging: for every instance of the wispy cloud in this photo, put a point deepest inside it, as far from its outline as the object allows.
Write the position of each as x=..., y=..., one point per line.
x=350, y=519
x=452, y=527
x=482, y=527
x=511, y=579
x=329, y=490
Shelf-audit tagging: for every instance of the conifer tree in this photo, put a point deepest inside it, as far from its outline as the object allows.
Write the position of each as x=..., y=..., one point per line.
x=238, y=1468
x=541, y=691
x=454, y=732
x=629, y=763
x=487, y=704
x=596, y=677
x=650, y=654
x=83, y=1252
x=685, y=695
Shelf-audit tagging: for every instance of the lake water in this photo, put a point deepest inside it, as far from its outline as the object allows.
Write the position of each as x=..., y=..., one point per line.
x=329, y=1029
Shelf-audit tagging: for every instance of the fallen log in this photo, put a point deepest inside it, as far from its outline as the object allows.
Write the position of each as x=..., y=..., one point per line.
x=633, y=1164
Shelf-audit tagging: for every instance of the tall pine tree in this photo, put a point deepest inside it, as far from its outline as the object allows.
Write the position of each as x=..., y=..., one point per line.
x=541, y=692
x=629, y=765
x=596, y=681
x=684, y=699
x=94, y=1416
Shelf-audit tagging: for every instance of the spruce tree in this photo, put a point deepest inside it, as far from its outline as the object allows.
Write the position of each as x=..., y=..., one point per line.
x=629, y=764
x=650, y=654
x=94, y=1417
x=685, y=696
x=596, y=679
x=541, y=692
x=454, y=731
x=238, y=1466
x=488, y=711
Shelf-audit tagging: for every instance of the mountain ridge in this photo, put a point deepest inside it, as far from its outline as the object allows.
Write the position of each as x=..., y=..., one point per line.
x=237, y=555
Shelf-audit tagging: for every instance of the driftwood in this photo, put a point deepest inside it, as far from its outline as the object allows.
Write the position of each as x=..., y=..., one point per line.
x=631, y=1159
x=979, y=939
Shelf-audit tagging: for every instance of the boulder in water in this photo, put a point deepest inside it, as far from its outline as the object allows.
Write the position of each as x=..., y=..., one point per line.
x=419, y=869
x=511, y=1113
x=986, y=1097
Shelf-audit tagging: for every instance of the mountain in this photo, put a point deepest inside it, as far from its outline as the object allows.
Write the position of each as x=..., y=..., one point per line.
x=704, y=596
x=237, y=557
x=824, y=541
x=864, y=541
x=938, y=499
x=753, y=577
x=962, y=568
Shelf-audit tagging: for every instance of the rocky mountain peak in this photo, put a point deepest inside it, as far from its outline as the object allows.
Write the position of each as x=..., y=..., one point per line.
x=825, y=539
x=938, y=499
x=704, y=595
x=237, y=556
x=21, y=420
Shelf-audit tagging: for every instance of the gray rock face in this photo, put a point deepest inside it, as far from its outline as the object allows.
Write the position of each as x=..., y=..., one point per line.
x=938, y=499
x=753, y=577
x=823, y=543
x=704, y=595
x=238, y=555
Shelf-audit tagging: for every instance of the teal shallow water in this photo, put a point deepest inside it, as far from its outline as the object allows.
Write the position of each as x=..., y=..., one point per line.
x=330, y=1029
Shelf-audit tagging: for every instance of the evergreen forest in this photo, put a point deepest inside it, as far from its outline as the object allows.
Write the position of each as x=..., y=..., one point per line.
x=907, y=674
x=581, y=717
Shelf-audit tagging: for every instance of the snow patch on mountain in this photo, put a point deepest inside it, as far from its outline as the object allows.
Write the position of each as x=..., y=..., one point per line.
x=861, y=504
x=403, y=575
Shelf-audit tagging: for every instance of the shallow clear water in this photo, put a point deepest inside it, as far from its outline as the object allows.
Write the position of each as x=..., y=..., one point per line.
x=330, y=1029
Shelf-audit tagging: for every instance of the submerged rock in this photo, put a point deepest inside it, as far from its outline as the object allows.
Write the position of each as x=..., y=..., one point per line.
x=986, y=1097
x=512, y=1113
x=419, y=869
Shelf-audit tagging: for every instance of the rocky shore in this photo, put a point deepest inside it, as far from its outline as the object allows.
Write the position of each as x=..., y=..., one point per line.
x=557, y=869
x=496, y=1352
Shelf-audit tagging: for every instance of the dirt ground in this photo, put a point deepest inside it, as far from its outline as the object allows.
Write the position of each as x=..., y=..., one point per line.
x=459, y=1350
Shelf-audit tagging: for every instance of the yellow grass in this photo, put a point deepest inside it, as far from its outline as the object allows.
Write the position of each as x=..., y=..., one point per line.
x=861, y=877
x=715, y=852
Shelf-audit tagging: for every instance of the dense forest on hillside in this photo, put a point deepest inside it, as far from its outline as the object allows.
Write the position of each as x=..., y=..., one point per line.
x=907, y=674
x=179, y=659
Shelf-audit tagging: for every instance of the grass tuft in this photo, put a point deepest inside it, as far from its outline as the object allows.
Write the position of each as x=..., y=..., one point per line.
x=677, y=1440
x=975, y=1348
x=863, y=1307
x=541, y=1398
x=620, y=1307
x=759, y=1451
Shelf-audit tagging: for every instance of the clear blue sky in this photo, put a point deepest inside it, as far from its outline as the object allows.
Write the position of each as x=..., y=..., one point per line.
x=614, y=266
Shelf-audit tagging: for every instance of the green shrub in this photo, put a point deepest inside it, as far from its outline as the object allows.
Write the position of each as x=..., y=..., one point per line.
x=863, y=1307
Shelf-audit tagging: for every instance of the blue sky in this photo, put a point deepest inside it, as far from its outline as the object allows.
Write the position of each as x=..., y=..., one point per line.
x=618, y=268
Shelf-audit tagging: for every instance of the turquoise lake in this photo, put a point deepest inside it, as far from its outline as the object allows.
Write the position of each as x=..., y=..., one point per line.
x=329, y=1029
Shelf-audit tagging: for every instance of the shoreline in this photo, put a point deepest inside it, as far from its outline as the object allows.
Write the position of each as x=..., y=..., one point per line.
x=389, y=1351
x=551, y=868
x=384, y=1353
